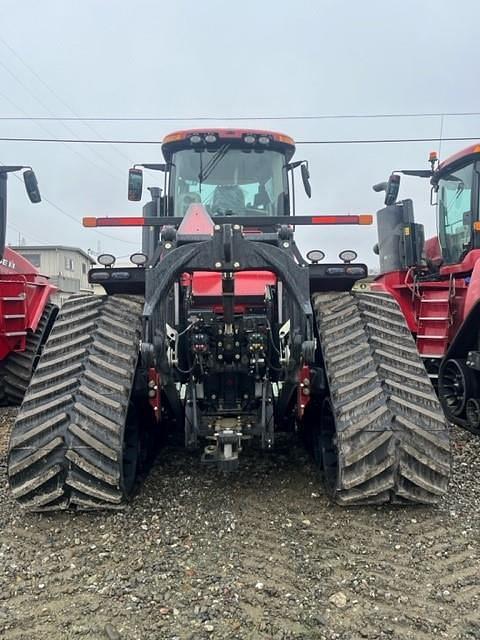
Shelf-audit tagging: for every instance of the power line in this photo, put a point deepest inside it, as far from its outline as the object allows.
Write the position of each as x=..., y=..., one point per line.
x=55, y=94
x=39, y=124
x=65, y=213
x=337, y=116
x=69, y=215
x=322, y=142
x=390, y=140
x=75, y=151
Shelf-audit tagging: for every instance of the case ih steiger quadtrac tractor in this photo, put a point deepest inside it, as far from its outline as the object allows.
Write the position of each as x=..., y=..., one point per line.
x=26, y=313
x=437, y=283
x=225, y=336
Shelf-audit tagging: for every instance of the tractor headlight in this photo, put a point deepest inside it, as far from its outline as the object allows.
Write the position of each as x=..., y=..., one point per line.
x=249, y=139
x=196, y=139
x=348, y=255
x=138, y=259
x=106, y=259
x=263, y=140
x=211, y=138
x=315, y=255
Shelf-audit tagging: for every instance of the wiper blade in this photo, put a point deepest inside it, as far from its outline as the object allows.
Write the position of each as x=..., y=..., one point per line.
x=212, y=163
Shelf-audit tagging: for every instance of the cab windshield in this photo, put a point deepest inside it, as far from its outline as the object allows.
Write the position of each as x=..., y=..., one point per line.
x=455, y=213
x=229, y=181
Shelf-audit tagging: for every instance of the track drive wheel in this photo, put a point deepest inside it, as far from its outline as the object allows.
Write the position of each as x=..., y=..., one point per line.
x=76, y=440
x=20, y=365
x=380, y=436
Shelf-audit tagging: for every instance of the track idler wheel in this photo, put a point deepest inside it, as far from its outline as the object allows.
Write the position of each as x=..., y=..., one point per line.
x=456, y=385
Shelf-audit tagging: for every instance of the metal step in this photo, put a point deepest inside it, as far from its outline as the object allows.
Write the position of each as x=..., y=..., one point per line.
x=11, y=334
x=431, y=337
x=14, y=316
x=436, y=318
x=434, y=300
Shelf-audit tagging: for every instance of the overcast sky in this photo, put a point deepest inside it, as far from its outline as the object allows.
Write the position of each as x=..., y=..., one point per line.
x=217, y=58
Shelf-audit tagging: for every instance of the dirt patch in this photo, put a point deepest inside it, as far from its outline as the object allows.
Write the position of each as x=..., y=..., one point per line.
x=256, y=555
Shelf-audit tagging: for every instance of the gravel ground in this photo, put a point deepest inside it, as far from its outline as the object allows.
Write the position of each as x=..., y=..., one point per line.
x=256, y=555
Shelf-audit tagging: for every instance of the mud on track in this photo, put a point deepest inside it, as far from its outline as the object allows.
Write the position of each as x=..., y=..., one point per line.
x=257, y=555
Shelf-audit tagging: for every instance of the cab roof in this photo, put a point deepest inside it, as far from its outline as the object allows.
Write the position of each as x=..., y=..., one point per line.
x=459, y=156
x=178, y=139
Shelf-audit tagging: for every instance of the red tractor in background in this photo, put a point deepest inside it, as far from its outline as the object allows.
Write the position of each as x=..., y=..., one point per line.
x=26, y=313
x=437, y=282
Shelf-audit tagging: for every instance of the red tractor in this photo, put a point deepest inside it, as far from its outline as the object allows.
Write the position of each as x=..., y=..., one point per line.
x=221, y=335
x=437, y=282
x=26, y=314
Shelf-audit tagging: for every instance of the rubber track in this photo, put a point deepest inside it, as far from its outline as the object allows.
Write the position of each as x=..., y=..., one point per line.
x=66, y=445
x=392, y=439
x=20, y=365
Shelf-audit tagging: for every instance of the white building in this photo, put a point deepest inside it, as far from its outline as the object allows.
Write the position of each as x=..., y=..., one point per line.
x=67, y=267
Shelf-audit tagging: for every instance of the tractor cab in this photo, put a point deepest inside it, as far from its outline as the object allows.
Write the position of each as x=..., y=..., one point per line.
x=455, y=191
x=456, y=183
x=229, y=172
x=243, y=175
x=240, y=177
x=230, y=175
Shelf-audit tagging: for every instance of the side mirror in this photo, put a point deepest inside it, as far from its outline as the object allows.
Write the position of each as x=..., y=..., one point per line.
x=31, y=185
x=135, y=184
x=391, y=188
x=306, y=180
